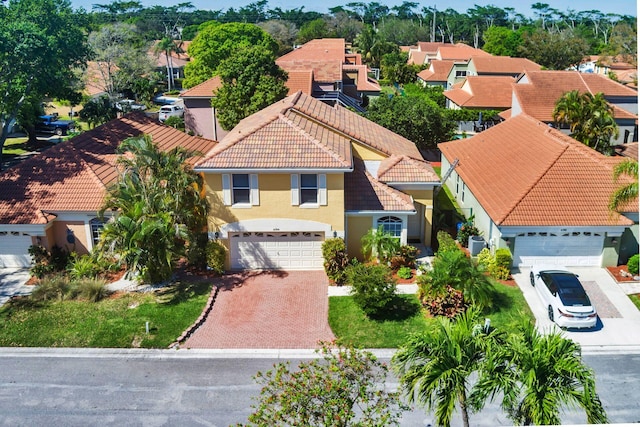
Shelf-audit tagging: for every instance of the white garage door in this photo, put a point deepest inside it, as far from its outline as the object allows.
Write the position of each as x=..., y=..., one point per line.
x=14, y=249
x=282, y=251
x=568, y=249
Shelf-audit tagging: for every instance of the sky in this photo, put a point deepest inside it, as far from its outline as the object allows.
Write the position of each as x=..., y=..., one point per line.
x=622, y=7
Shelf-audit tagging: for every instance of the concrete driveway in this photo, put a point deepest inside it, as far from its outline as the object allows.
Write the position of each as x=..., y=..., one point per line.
x=618, y=318
x=12, y=282
x=270, y=309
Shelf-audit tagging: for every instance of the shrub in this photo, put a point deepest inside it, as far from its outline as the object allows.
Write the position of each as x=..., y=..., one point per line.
x=51, y=287
x=216, y=256
x=406, y=256
x=499, y=272
x=45, y=262
x=485, y=259
x=197, y=251
x=633, y=265
x=448, y=303
x=334, y=252
x=446, y=242
x=373, y=287
x=467, y=230
x=92, y=290
x=175, y=122
x=81, y=267
x=405, y=273
x=503, y=258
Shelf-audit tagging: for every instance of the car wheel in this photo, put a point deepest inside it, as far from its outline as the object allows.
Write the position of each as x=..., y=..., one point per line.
x=532, y=278
x=550, y=311
x=58, y=131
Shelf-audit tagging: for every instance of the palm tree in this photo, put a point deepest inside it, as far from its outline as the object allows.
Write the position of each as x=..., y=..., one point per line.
x=537, y=374
x=167, y=45
x=627, y=192
x=435, y=367
x=380, y=244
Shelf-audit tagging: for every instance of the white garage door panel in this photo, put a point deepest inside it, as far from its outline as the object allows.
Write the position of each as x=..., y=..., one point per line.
x=293, y=251
x=570, y=250
x=14, y=250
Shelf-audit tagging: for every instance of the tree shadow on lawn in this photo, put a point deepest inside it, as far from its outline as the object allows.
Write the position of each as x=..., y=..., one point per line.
x=182, y=291
x=400, y=308
x=500, y=302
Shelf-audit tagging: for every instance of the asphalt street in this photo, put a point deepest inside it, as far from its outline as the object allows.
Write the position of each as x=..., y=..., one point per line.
x=157, y=388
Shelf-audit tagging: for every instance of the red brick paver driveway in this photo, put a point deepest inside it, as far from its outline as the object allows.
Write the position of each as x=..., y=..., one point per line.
x=271, y=309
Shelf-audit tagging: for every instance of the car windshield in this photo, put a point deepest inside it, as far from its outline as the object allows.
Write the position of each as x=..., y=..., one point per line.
x=571, y=291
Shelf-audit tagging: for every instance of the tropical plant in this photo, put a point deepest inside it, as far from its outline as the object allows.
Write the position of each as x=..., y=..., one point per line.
x=83, y=267
x=537, y=374
x=405, y=273
x=175, y=122
x=341, y=389
x=380, y=244
x=633, y=264
x=467, y=230
x=216, y=256
x=405, y=257
x=629, y=191
x=168, y=45
x=373, y=287
x=446, y=242
x=436, y=367
x=334, y=252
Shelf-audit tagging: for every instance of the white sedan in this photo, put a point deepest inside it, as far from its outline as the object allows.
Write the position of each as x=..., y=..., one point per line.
x=567, y=303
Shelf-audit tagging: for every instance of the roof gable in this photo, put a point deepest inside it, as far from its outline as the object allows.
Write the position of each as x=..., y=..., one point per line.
x=204, y=89
x=492, y=92
x=502, y=65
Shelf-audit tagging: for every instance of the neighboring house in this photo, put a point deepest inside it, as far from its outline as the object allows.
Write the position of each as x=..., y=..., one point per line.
x=481, y=93
x=199, y=115
x=301, y=171
x=535, y=93
x=328, y=71
x=52, y=198
x=542, y=194
x=176, y=60
x=437, y=74
x=625, y=72
x=487, y=65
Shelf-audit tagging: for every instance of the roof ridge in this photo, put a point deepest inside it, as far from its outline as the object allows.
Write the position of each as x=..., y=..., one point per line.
x=317, y=143
x=397, y=160
x=386, y=188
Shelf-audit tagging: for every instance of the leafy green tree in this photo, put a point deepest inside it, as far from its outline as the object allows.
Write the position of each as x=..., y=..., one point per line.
x=216, y=42
x=98, y=111
x=373, y=287
x=436, y=367
x=537, y=374
x=590, y=119
x=629, y=191
x=41, y=42
x=342, y=389
x=160, y=209
x=251, y=81
x=502, y=41
x=553, y=50
x=417, y=119
x=316, y=29
x=395, y=68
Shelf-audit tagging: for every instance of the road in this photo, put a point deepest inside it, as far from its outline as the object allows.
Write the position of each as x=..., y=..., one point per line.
x=157, y=388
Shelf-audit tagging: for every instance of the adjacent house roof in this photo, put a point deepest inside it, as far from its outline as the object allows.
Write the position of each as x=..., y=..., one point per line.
x=438, y=71
x=459, y=52
x=491, y=92
x=73, y=175
x=204, y=89
x=403, y=169
x=503, y=65
x=328, y=49
x=537, y=91
x=525, y=173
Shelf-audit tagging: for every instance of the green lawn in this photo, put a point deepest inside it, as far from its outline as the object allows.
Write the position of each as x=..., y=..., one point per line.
x=117, y=322
x=635, y=298
x=352, y=327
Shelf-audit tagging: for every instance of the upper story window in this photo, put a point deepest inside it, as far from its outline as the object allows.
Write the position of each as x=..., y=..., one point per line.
x=391, y=225
x=308, y=189
x=461, y=73
x=96, y=230
x=240, y=189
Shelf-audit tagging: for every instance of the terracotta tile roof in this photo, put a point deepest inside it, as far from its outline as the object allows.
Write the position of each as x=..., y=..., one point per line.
x=301, y=119
x=538, y=96
x=525, y=173
x=491, y=92
x=417, y=57
x=323, y=70
x=362, y=192
x=431, y=47
x=459, y=52
x=438, y=71
x=204, y=89
x=503, y=65
x=405, y=169
x=627, y=150
x=73, y=175
x=364, y=83
x=300, y=81
x=317, y=50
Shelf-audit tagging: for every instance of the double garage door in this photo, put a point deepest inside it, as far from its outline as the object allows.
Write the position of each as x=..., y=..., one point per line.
x=567, y=249
x=276, y=250
x=14, y=249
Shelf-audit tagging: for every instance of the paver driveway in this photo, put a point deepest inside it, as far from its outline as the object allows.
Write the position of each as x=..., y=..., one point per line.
x=270, y=309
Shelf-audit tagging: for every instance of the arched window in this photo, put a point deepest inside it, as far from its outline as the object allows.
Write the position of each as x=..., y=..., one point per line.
x=96, y=230
x=391, y=225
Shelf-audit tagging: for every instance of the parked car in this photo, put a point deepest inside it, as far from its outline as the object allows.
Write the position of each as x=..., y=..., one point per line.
x=568, y=304
x=170, y=111
x=127, y=105
x=51, y=124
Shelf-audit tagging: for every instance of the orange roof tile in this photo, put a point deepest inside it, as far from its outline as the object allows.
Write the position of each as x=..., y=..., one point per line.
x=204, y=89
x=627, y=150
x=73, y=175
x=317, y=50
x=417, y=57
x=362, y=192
x=438, y=71
x=503, y=65
x=525, y=173
x=300, y=81
x=491, y=92
x=459, y=52
x=323, y=70
x=364, y=83
x=431, y=47
x=396, y=169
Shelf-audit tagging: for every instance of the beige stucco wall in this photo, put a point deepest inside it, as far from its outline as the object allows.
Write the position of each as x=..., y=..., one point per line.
x=357, y=226
x=275, y=202
x=60, y=236
x=366, y=153
x=424, y=198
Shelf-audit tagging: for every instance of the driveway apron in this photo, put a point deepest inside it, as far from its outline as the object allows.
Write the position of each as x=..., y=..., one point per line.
x=268, y=309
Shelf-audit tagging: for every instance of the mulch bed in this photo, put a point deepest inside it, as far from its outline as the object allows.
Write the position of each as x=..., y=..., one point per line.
x=620, y=274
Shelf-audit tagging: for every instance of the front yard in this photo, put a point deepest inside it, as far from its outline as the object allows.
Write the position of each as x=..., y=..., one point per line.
x=118, y=321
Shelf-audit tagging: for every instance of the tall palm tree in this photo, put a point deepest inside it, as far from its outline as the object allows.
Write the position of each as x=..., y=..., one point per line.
x=168, y=46
x=435, y=367
x=537, y=374
x=629, y=191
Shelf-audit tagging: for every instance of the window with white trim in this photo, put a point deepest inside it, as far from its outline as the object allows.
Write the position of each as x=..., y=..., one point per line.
x=390, y=225
x=240, y=189
x=461, y=73
x=308, y=189
x=96, y=230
